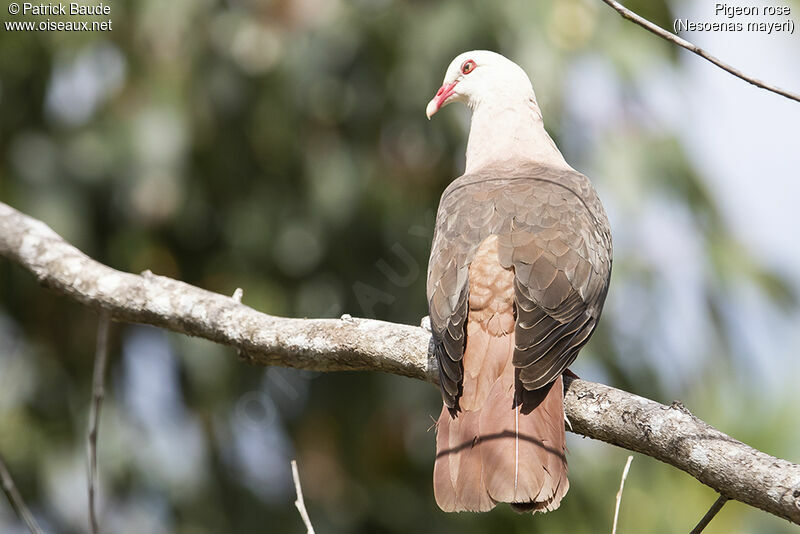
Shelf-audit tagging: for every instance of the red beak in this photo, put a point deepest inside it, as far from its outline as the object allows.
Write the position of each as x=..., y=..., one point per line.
x=444, y=92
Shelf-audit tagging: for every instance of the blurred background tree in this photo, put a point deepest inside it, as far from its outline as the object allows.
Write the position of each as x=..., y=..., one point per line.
x=281, y=147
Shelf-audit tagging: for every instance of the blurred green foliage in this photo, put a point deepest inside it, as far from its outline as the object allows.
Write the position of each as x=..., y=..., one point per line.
x=281, y=147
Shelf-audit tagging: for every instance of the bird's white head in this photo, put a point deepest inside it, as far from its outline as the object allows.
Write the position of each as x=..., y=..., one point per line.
x=480, y=76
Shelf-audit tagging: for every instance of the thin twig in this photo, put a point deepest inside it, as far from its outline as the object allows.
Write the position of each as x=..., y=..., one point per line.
x=299, y=503
x=15, y=498
x=715, y=508
x=619, y=493
x=98, y=392
x=671, y=37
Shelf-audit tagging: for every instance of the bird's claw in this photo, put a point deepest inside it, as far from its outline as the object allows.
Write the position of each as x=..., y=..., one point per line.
x=426, y=323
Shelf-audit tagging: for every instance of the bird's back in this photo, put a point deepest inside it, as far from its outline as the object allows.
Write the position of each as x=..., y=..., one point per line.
x=518, y=273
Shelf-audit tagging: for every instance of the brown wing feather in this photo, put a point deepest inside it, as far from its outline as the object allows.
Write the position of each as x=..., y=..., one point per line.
x=518, y=274
x=505, y=444
x=553, y=231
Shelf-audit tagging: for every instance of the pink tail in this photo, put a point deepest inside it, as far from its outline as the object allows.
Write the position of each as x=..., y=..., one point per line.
x=506, y=444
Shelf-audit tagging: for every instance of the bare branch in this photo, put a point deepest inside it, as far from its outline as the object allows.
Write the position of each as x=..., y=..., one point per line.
x=98, y=392
x=713, y=511
x=300, y=503
x=15, y=498
x=683, y=43
x=619, y=493
x=668, y=433
x=674, y=436
x=315, y=344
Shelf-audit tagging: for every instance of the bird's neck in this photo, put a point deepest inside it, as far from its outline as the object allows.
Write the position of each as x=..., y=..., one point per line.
x=508, y=130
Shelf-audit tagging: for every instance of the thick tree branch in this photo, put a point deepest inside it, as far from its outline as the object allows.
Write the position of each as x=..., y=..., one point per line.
x=674, y=436
x=318, y=344
x=683, y=43
x=668, y=433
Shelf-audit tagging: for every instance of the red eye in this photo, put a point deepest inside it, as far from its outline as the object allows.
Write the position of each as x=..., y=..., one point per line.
x=468, y=66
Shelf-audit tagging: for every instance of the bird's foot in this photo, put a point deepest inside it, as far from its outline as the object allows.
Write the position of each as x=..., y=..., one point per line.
x=570, y=374
x=426, y=323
